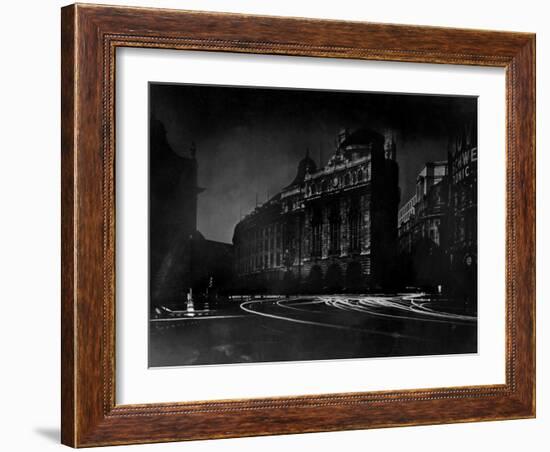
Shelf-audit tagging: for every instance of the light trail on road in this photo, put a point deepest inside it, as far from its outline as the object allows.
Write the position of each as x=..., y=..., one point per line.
x=312, y=327
x=371, y=305
x=247, y=306
x=203, y=317
x=403, y=307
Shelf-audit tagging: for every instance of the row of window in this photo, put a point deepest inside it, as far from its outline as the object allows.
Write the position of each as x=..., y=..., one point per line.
x=270, y=260
x=335, y=224
x=465, y=196
x=263, y=249
x=464, y=229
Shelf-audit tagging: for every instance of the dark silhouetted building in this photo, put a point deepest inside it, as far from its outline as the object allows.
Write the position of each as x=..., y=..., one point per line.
x=180, y=257
x=463, y=214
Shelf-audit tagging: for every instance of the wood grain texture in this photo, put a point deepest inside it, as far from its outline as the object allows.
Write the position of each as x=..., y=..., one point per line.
x=90, y=36
x=67, y=224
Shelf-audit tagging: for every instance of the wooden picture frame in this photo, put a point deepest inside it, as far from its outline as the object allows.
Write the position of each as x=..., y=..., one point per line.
x=90, y=36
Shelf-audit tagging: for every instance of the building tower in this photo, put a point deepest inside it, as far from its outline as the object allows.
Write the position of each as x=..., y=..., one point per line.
x=173, y=212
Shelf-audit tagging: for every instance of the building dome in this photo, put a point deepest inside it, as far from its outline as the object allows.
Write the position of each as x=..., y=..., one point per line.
x=306, y=165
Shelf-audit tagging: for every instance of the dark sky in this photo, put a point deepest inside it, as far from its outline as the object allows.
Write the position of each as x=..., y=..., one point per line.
x=250, y=140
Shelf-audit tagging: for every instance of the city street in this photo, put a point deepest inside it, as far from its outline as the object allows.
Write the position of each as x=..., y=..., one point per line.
x=314, y=327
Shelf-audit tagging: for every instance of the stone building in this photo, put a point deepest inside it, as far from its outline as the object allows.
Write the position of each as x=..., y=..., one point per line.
x=424, y=215
x=331, y=229
x=437, y=227
x=422, y=229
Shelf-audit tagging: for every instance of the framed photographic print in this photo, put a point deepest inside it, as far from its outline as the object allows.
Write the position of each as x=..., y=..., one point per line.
x=278, y=225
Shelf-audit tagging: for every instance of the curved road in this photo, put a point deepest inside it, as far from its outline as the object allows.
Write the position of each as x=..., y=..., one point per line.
x=324, y=327
x=364, y=312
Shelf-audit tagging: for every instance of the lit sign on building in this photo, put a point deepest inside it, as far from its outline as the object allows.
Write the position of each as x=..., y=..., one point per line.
x=463, y=164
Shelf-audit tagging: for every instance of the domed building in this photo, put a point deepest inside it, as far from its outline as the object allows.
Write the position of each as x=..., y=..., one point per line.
x=306, y=166
x=332, y=229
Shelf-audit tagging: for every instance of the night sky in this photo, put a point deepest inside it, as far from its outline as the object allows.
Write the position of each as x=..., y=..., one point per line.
x=249, y=140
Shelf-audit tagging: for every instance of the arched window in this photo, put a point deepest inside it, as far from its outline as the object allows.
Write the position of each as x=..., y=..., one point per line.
x=354, y=219
x=334, y=229
x=316, y=231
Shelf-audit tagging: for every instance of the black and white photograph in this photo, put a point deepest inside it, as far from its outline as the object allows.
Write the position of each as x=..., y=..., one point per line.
x=298, y=224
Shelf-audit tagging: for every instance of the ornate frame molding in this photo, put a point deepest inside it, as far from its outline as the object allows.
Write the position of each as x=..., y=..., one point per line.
x=90, y=37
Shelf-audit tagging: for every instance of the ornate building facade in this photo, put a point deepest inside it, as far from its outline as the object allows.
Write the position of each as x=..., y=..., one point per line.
x=332, y=229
